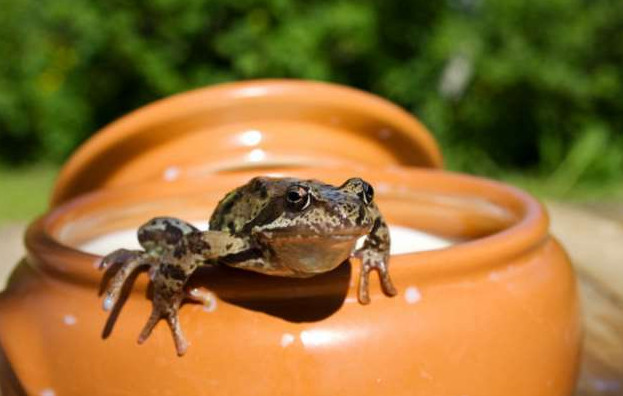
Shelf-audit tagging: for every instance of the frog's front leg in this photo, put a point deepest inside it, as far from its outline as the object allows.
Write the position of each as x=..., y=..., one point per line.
x=158, y=236
x=374, y=255
x=172, y=254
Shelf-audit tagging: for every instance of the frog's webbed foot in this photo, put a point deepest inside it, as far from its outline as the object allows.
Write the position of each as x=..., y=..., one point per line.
x=170, y=266
x=374, y=255
x=373, y=261
x=168, y=294
x=168, y=274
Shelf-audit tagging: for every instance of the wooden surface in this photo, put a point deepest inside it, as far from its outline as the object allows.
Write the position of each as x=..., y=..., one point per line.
x=593, y=237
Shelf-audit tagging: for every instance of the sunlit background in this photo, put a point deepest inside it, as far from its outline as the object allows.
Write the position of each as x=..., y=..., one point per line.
x=528, y=91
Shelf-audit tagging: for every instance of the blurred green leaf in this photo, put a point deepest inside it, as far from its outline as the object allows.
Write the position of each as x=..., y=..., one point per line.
x=507, y=87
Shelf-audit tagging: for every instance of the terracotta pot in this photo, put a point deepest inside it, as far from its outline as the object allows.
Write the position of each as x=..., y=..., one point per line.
x=249, y=125
x=495, y=314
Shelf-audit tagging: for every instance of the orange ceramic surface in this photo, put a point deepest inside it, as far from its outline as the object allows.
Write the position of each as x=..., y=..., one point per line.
x=496, y=314
x=251, y=124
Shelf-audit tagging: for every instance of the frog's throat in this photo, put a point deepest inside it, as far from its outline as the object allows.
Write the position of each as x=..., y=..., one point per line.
x=307, y=255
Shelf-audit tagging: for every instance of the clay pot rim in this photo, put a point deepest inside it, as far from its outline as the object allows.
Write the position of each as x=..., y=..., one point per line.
x=528, y=232
x=182, y=104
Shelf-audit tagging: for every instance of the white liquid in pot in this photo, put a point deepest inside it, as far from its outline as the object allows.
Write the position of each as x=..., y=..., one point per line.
x=404, y=240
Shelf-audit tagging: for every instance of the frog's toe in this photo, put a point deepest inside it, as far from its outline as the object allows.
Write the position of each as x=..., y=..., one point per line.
x=117, y=257
x=201, y=296
x=363, y=293
x=181, y=345
x=166, y=309
x=364, y=280
x=386, y=282
x=120, y=266
x=153, y=320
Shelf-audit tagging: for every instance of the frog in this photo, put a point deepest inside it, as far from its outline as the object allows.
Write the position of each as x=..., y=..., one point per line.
x=275, y=226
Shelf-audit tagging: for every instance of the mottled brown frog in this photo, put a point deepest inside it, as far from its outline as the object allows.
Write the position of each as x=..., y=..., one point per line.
x=275, y=226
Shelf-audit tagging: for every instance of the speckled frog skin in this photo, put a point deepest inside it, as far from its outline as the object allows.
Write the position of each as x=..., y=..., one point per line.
x=275, y=226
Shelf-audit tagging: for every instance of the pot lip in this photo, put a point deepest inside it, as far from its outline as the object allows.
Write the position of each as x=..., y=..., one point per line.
x=71, y=180
x=529, y=231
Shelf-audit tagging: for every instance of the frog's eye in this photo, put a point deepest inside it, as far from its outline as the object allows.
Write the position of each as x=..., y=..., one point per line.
x=298, y=197
x=367, y=193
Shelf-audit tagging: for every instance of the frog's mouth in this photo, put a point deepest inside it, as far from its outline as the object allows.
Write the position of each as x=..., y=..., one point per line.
x=310, y=236
x=337, y=235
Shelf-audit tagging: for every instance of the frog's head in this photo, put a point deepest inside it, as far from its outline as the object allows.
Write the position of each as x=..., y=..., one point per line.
x=310, y=226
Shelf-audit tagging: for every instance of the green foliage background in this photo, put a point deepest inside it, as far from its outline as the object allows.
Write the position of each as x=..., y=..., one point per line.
x=527, y=86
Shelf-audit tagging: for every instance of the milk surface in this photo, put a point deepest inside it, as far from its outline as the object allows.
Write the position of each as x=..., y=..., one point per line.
x=403, y=240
